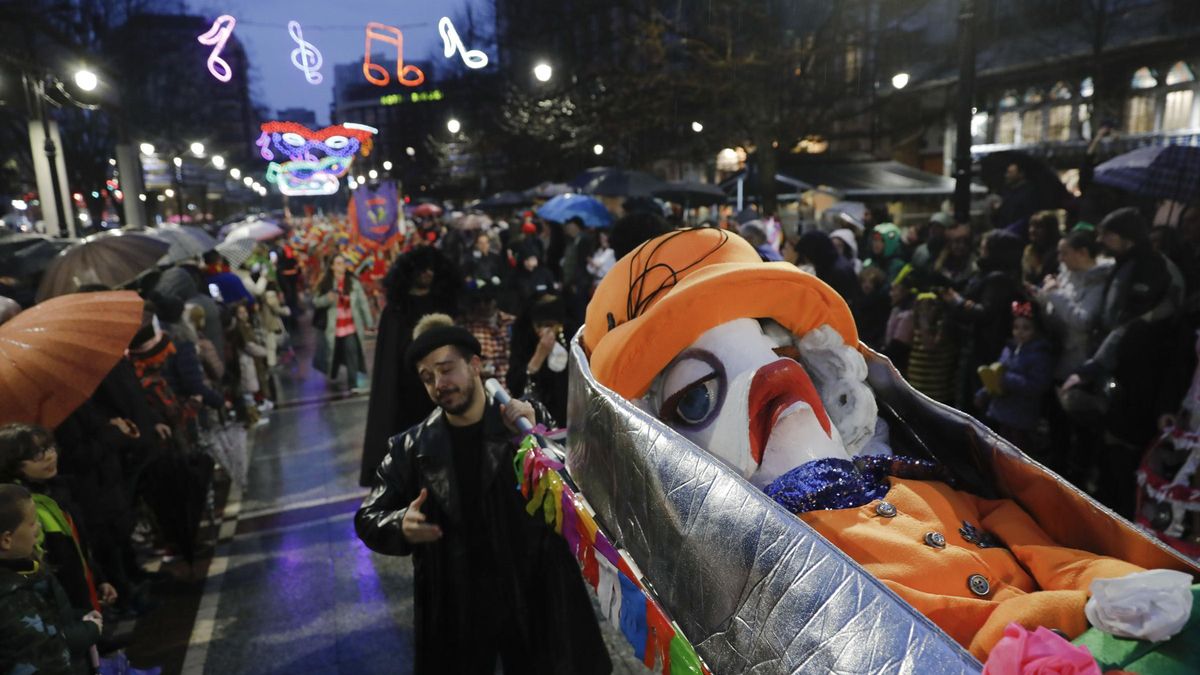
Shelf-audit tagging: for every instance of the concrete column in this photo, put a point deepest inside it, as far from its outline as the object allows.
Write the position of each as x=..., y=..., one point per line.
x=130, y=178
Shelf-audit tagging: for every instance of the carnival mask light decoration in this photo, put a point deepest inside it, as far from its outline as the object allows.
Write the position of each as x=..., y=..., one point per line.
x=308, y=162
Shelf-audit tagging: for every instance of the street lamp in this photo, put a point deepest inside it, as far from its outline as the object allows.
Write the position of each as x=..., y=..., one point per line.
x=387, y=165
x=598, y=149
x=235, y=173
x=177, y=161
x=218, y=161
x=248, y=181
x=410, y=151
x=453, y=126
x=543, y=72
x=86, y=79
x=373, y=174
x=197, y=149
x=697, y=127
x=146, y=148
x=169, y=192
x=900, y=80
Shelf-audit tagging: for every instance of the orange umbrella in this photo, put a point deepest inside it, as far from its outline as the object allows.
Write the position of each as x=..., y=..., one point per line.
x=54, y=355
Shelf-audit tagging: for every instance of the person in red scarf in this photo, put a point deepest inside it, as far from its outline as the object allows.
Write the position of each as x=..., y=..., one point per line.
x=345, y=320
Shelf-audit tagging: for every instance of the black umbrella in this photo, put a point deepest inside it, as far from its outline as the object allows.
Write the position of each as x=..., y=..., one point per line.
x=24, y=255
x=1042, y=176
x=589, y=175
x=503, y=200
x=112, y=259
x=691, y=192
x=623, y=183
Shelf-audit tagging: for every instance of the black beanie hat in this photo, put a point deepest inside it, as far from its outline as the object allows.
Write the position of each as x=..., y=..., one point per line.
x=438, y=337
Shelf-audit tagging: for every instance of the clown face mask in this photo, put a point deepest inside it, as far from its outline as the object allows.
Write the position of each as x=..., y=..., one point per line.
x=737, y=392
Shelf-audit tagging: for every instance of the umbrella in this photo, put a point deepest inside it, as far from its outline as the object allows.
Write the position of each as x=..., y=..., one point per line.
x=24, y=255
x=112, y=259
x=54, y=355
x=237, y=251
x=547, y=190
x=565, y=207
x=259, y=230
x=426, y=210
x=186, y=242
x=1161, y=171
x=691, y=192
x=622, y=183
x=587, y=176
x=502, y=200
x=1043, y=177
x=841, y=214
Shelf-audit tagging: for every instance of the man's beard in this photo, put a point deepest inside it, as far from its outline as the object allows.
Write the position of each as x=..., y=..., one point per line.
x=461, y=408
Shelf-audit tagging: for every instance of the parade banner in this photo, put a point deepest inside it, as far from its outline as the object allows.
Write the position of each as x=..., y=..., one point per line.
x=375, y=215
x=624, y=599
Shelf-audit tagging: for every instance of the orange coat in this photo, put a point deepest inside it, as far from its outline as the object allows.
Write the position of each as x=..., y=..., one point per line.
x=1030, y=579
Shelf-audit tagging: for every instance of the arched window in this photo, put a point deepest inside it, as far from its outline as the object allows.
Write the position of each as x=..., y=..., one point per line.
x=1180, y=73
x=1087, y=88
x=1060, y=92
x=1143, y=78
x=1033, y=96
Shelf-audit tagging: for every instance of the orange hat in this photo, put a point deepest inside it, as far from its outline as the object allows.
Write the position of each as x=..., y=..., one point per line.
x=667, y=292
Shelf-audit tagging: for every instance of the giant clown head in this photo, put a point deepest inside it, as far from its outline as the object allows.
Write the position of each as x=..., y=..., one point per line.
x=755, y=362
x=311, y=162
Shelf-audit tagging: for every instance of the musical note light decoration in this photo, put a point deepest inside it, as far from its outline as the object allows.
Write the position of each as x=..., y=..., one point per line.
x=451, y=43
x=311, y=162
x=305, y=56
x=407, y=75
x=216, y=37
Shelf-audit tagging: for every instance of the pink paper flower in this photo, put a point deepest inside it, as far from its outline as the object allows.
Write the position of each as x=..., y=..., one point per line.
x=1041, y=652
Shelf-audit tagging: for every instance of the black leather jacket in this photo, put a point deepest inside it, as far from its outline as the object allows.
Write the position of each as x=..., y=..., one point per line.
x=529, y=593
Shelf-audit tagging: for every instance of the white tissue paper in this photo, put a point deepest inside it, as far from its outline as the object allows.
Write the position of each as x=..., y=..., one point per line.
x=1153, y=605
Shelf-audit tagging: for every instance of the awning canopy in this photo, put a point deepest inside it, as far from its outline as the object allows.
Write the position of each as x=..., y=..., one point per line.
x=858, y=180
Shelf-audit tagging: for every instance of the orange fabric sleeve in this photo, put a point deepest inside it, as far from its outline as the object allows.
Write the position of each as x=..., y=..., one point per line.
x=1054, y=567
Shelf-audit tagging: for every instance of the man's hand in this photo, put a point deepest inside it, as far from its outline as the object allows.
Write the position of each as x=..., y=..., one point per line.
x=1072, y=381
x=951, y=296
x=125, y=427
x=415, y=529
x=514, y=409
x=164, y=431
x=96, y=618
x=108, y=594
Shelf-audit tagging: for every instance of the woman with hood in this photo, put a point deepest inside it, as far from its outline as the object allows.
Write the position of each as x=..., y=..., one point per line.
x=818, y=249
x=885, y=250
x=422, y=281
x=1071, y=301
x=983, y=311
x=847, y=246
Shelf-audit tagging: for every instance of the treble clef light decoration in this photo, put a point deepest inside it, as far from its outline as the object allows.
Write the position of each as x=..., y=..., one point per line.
x=306, y=56
x=216, y=37
x=451, y=42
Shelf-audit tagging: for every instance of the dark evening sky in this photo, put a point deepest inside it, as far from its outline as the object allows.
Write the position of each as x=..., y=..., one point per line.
x=336, y=27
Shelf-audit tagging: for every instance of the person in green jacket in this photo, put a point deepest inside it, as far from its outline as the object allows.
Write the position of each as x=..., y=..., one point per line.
x=39, y=630
x=344, y=316
x=886, y=253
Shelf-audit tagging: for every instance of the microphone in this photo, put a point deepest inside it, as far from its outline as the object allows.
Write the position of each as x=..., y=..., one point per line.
x=500, y=395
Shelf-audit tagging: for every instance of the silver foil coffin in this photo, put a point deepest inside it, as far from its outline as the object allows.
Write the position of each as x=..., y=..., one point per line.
x=755, y=589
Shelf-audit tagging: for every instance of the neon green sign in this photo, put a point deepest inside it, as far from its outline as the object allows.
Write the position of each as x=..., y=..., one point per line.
x=414, y=97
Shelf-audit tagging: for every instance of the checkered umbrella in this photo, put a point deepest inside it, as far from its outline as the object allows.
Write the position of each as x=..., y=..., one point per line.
x=237, y=251
x=1162, y=171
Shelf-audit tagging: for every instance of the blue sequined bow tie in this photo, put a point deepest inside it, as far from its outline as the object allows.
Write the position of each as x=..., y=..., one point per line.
x=842, y=484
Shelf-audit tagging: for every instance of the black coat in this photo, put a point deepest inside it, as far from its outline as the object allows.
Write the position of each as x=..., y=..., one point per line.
x=398, y=399
x=537, y=594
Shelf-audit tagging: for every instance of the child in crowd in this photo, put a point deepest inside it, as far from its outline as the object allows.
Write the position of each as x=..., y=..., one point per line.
x=39, y=630
x=898, y=338
x=247, y=358
x=29, y=457
x=873, y=308
x=1015, y=386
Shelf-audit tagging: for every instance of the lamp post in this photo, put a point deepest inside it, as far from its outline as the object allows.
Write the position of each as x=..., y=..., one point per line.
x=966, y=96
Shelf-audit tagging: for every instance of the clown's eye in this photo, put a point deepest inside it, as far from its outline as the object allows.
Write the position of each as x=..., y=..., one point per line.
x=293, y=139
x=695, y=403
x=337, y=142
